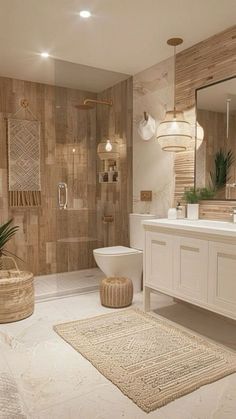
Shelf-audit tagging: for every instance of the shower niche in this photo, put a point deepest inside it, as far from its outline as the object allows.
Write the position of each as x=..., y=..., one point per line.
x=110, y=174
x=108, y=153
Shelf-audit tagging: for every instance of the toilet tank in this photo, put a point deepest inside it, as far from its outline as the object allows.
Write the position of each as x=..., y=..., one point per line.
x=136, y=230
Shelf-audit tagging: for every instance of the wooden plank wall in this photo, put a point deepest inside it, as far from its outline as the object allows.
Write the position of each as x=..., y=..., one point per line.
x=52, y=240
x=209, y=61
x=44, y=240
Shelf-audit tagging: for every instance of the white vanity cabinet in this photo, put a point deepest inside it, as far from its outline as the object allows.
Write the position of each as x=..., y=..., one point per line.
x=222, y=278
x=159, y=263
x=190, y=258
x=197, y=265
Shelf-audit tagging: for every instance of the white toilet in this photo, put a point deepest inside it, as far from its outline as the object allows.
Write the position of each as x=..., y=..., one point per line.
x=125, y=261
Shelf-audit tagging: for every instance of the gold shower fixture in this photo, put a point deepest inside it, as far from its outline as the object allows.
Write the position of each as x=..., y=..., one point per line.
x=90, y=103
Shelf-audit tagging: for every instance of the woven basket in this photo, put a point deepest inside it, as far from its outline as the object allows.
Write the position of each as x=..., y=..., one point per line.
x=116, y=292
x=16, y=295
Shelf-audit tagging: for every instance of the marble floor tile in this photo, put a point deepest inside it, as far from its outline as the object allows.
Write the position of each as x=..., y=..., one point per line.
x=56, y=382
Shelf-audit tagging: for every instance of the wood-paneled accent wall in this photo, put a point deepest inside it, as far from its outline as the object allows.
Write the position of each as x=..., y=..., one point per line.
x=209, y=61
x=217, y=210
x=184, y=174
x=116, y=199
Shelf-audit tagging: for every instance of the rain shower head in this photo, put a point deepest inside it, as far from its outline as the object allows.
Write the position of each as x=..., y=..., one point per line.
x=85, y=106
x=90, y=104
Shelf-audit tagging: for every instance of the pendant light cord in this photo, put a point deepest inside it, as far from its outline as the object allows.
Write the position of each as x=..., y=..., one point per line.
x=174, y=81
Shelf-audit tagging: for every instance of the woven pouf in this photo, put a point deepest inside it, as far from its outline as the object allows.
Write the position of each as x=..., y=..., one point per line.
x=116, y=292
x=16, y=295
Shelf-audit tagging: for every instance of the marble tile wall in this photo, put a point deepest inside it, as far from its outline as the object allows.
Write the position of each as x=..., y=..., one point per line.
x=152, y=168
x=211, y=60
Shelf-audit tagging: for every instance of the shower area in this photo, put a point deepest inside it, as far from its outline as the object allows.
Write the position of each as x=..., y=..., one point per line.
x=79, y=209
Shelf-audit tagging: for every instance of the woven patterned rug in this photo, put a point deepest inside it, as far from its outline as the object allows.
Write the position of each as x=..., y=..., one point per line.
x=151, y=360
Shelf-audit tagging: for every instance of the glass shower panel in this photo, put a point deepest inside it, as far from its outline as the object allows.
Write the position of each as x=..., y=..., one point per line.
x=75, y=182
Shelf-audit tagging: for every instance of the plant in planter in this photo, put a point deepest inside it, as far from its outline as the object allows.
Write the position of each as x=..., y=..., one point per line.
x=192, y=196
x=7, y=231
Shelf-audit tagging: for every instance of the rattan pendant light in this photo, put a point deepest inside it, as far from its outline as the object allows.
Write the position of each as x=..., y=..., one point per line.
x=174, y=133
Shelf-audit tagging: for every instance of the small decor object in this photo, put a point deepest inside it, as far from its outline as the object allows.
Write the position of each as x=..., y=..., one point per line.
x=172, y=214
x=192, y=197
x=150, y=359
x=174, y=133
x=116, y=292
x=147, y=127
x=24, y=160
x=180, y=211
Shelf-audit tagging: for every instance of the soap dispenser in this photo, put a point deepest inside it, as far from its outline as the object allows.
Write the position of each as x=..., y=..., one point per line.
x=180, y=210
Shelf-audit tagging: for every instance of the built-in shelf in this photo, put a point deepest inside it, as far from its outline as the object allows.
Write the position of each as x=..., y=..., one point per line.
x=109, y=176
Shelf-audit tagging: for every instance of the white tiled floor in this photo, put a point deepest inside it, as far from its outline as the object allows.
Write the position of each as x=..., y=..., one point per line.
x=56, y=382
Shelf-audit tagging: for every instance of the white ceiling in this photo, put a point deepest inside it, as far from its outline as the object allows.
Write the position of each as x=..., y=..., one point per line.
x=124, y=36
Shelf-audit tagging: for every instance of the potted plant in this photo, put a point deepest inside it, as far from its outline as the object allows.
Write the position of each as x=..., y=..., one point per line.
x=192, y=197
x=7, y=231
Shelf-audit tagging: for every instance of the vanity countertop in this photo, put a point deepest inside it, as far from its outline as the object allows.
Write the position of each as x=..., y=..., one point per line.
x=223, y=228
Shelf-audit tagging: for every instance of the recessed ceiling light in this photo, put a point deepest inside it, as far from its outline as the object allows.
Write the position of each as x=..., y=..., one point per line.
x=85, y=14
x=44, y=54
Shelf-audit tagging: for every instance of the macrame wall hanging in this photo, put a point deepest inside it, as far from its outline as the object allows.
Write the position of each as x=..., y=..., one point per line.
x=24, y=159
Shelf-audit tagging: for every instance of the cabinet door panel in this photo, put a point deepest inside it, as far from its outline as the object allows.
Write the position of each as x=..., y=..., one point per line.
x=159, y=261
x=190, y=268
x=222, y=277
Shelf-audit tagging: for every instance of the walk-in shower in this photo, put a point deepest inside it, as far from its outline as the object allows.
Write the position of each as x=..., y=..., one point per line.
x=57, y=235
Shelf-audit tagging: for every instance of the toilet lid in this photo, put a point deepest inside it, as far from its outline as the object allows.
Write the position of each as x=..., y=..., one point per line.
x=116, y=250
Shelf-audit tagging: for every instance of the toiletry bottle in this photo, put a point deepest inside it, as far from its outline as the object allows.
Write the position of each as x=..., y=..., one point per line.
x=180, y=211
x=172, y=213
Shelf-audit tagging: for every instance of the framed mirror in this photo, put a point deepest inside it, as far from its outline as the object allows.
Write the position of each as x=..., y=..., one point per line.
x=215, y=167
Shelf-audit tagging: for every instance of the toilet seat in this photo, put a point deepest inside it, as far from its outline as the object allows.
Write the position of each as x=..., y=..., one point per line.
x=116, y=251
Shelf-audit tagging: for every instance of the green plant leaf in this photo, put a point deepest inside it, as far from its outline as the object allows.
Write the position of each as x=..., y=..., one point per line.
x=6, y=233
